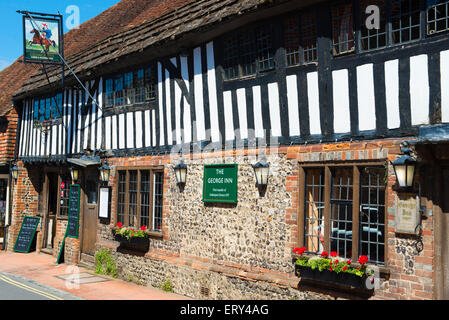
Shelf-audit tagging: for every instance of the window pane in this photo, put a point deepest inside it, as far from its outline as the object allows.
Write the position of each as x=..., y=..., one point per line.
x=109, y=94
x=48, y=108
x=118, y=88
x=231, y=57
x=264, y=38
x=145, y=199
x=91, y=192
x=291, y=34
x=372, y=215
x=36, y=110
x=405, y=21
x=133, y=198
x=158, y=190
x=342, y=25
x=437, y=16
x=309, y=37
x=121, y=205
x=341, y=212
x=64, y=208
x=150, y=84
x=372, y=38
x=42, y=110
x=247, y=54
x=314, y=222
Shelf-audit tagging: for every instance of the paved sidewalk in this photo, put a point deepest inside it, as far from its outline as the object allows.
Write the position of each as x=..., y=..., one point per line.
x=42, y=269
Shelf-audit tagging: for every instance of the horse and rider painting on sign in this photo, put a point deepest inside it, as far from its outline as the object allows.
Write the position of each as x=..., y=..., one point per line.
x=42, y=40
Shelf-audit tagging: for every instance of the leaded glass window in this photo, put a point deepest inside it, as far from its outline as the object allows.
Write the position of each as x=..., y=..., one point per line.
x=437, y=16
x=342, y=27
x=405, y=21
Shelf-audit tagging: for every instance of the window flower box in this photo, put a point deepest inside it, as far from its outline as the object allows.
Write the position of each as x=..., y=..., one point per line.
x=332, y=271
x=137, y=244
x=326, y=276
x=132, y=239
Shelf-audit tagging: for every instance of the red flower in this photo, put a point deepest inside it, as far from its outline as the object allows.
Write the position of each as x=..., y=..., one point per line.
x=325, y=254
x=336, y=261
x=143, y=228
x=363, y=259
x=119, y=225
x=345, y=268
x=334, y=254
x=331, y=269
x=349, y=262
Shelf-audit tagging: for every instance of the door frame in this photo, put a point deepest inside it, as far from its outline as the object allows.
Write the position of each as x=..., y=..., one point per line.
x=85, y=207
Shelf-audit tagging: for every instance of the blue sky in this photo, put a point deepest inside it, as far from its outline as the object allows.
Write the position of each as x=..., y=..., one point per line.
x=11, y=38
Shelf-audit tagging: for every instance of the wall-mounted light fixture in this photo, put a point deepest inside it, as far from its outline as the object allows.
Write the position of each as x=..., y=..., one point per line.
x=74, y=172
x=105, y=172
x=15, y=172
x=262, y=172
x=405, y=167
x=181, y=173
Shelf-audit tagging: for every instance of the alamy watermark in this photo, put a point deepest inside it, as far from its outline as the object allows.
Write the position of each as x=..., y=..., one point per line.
x=74, y=18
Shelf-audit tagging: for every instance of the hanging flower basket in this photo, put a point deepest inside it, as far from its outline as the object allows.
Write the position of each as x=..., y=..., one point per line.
x=330, y=270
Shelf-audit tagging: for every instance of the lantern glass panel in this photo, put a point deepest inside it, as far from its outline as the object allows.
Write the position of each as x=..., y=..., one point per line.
x=401, y=175
x=410, y=175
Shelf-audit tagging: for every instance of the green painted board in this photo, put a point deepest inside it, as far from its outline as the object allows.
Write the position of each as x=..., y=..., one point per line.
x=220, y=183
x=61, y=255
x=74, y=211
x=26, y=234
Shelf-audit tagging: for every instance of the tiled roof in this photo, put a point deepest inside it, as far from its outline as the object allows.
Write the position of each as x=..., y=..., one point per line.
x=192, y=16
x=122, y=16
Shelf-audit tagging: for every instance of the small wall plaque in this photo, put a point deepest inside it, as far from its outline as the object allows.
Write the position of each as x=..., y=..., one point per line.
x=407, y=214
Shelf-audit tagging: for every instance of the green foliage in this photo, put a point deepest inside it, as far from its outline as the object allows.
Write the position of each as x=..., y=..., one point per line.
x=105, y=263
x=129, y=233
x=166, y=286
x=332, y=265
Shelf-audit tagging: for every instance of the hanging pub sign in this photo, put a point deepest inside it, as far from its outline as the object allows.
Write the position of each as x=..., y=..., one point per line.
x=220, y=183
x=42, y=36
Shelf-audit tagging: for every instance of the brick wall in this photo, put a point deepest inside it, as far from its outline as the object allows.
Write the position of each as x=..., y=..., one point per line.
x=244, y=251
x=253, y=242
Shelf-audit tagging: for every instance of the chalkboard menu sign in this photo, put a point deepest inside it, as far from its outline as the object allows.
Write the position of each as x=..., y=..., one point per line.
x=26, y=234
x=220, y=183
x=74, y=211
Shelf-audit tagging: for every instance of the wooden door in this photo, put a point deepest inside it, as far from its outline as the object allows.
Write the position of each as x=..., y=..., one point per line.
x=51, y=193
x=90, y=210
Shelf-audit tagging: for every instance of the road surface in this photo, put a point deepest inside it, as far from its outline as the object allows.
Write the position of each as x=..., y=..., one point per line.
x=13, y=287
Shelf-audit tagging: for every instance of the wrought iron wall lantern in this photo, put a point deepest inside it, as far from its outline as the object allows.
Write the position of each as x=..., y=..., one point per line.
x=74, y=172
x=105, y=172
x=262, y=172
x=181, y=173
x=15, y=172
x=405, y=167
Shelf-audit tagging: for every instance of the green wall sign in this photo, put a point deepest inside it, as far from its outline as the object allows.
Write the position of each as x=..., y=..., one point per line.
x=220, y=183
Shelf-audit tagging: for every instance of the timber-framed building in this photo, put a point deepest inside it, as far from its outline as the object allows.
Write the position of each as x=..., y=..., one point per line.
x=305, y=83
